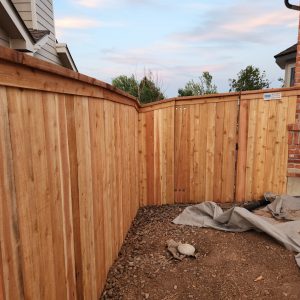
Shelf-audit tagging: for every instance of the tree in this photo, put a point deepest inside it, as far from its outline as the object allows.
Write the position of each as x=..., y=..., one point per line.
x=282, y=82
x=204, y=86
x=249, y=79
x=127, y=84
x=147, y=90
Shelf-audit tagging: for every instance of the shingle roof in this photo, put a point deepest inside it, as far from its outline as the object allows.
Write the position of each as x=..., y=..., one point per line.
x=287, y=51
x=38, y=34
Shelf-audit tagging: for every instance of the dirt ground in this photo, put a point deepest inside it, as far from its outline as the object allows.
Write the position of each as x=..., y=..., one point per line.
x=226, y=267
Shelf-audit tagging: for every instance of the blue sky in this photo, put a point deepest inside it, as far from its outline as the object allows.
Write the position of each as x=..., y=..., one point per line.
x=177, y=40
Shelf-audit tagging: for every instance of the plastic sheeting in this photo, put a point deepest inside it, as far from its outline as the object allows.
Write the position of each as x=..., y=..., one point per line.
x=238, y=219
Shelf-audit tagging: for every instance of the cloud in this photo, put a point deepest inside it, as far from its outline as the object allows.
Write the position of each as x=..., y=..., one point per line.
x=112, y=3
x=77, y=23
x=84, y=23
x=192, y=38
x=240, y=23
x=92, y=3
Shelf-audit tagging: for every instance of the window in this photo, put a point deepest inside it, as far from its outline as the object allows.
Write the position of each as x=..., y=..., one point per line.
x=292, y=77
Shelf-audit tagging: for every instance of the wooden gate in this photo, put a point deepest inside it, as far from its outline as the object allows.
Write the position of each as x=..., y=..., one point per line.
x=205, y=150
x=226, y=148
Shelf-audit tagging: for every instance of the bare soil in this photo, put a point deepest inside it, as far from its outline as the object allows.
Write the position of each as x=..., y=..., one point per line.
x=226, y=267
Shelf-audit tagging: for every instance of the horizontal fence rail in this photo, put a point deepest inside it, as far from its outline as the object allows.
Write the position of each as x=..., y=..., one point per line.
x=78, y=158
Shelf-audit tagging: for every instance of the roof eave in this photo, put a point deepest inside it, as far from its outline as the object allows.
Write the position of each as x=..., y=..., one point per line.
x=65, y=55
x=21, y=39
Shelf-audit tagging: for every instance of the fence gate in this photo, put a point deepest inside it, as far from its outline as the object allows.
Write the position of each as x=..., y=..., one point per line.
x=205, y=150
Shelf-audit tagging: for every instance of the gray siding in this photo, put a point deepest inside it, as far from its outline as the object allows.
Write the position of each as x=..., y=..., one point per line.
x=38, y=14
x=4, y=40
x=45, y=21
x=25, y=11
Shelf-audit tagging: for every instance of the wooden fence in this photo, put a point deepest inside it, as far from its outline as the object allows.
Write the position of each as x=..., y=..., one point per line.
x=221, y=148
x=69, y=182
x=78, y=158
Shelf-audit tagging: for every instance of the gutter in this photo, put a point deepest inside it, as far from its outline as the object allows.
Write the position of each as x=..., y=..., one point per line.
x=291, y=6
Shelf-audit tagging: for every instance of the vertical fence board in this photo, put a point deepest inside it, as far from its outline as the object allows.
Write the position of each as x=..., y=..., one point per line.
x=242, y=151
x=72, y=146
x=229, y=152
x=19, y=127
x=11, y=280
x=219, y=129
x=97, y=152
x=182, y=154
x=64, y=166
x=142, y=159
x=268, y=168
x=209, y=172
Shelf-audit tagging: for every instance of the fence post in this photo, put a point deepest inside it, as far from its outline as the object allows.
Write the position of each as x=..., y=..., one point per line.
x=241, y=150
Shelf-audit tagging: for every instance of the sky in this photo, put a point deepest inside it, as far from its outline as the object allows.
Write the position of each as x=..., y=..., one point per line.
x=176, y=40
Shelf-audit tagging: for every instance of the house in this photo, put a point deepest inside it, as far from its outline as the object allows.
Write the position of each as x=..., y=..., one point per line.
x=28, y=26
x=286, y=60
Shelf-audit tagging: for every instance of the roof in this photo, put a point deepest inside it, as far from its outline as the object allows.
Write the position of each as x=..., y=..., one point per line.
x=286, y=56
x=12, y=23
x=287, y=51
x=38, y=34
x=26, y=39
x=65, y=56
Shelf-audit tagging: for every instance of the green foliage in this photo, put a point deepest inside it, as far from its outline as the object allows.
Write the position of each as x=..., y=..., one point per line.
x=204, y=86
x=282, y=82
x=126, y=84
x=149, y=91
x=249, y=79
x=146, y=90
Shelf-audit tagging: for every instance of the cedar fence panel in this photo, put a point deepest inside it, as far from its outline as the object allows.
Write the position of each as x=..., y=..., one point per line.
x=263, y=145
x=156, y=142
x=69, y=181
x=205, y=151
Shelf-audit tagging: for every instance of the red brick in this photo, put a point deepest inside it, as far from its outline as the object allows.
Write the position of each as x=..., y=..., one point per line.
x=294, y=127
x=294, y=149
x=293, y=174
x=290, y=139
x=297, y=161
x=297, y=138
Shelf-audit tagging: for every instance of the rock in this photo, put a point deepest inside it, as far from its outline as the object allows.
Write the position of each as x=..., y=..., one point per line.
x=259, y=278
x=175, y=287
x=186, y=249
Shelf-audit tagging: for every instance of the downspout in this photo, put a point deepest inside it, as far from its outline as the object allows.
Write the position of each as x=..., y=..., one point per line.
x=291, y=6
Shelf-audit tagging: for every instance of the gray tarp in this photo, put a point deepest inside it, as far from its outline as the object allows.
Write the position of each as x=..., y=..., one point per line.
x=238, y=219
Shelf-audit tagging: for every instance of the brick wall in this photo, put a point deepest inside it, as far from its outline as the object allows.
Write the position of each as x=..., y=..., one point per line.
x=294, y=129
x=294, y=150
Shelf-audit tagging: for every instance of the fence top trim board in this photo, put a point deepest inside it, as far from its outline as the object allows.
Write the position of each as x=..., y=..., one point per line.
x=90, y=86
